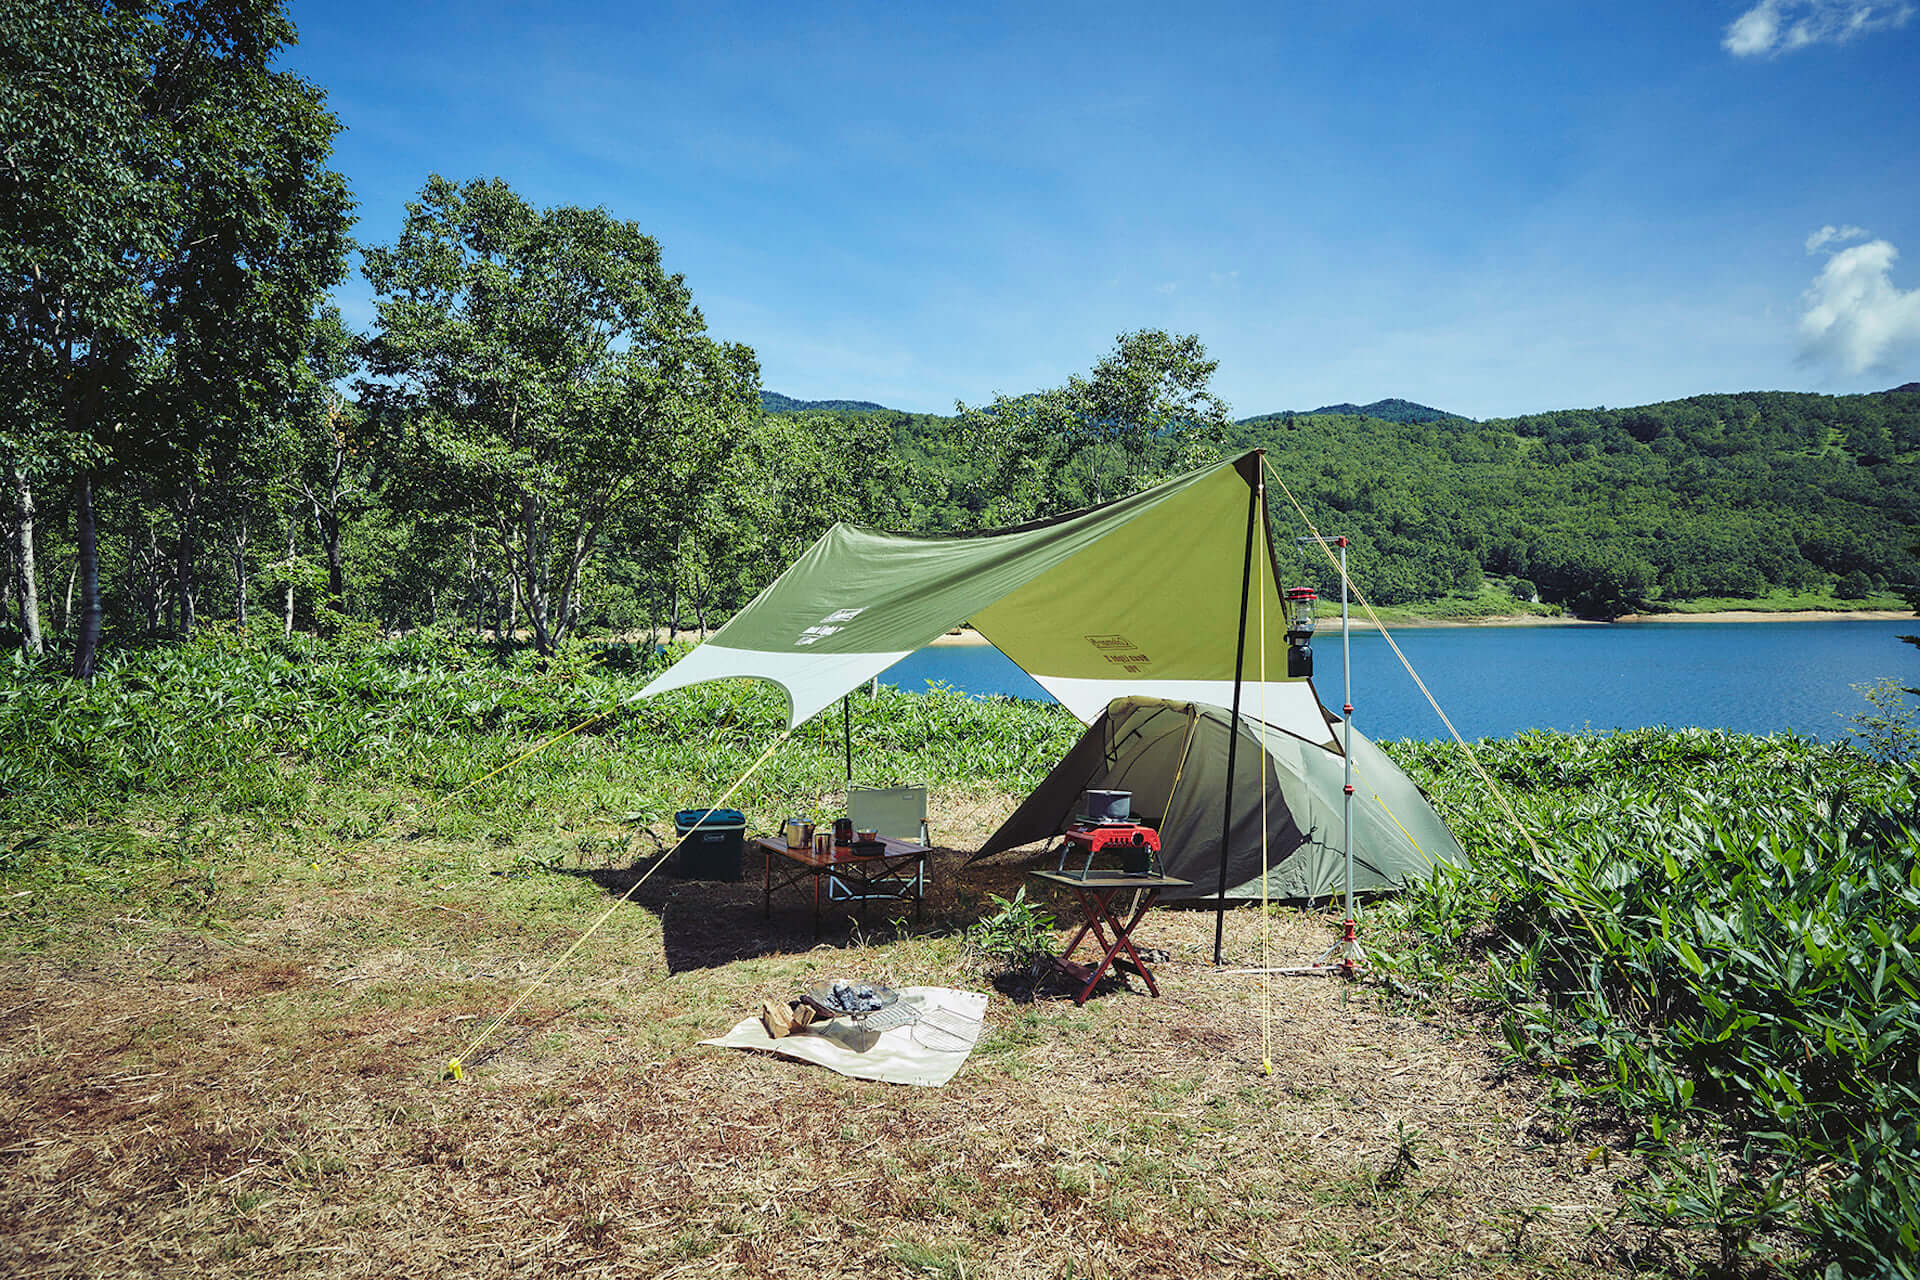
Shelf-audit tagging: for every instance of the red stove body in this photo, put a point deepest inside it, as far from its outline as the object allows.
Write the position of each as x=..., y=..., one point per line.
x=1137, y=846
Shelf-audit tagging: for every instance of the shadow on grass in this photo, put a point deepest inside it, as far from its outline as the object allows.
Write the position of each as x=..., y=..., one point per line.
x=706, y=924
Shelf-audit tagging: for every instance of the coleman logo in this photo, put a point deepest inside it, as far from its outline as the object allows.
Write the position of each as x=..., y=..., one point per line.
x=1120, y=651
x=829, y=625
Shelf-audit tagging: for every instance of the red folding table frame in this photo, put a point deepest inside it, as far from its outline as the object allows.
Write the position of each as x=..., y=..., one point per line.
x=1095, y=894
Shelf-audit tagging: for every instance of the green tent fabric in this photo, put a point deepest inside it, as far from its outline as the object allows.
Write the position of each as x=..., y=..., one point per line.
x=1140, y=595
x=1173, y=757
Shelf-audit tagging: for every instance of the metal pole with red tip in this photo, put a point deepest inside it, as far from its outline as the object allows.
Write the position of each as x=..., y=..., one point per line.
x=1351, y=956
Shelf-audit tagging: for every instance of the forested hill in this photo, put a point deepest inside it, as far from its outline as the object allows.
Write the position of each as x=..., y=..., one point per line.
x=1393, y=410
x=1720, y=495
x=1604, y=510
x=774, y=402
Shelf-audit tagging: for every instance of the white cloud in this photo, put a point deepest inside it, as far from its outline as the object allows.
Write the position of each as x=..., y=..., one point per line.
x=1169, y=287
x=1781, y=26
x=1831, y=234
x=1855, y=317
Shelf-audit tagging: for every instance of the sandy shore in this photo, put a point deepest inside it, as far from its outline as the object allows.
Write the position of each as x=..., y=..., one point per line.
x=1799, y=615
x=967, y=635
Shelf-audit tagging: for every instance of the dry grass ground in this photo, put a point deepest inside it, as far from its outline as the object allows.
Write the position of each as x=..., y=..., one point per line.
x=236, y=1072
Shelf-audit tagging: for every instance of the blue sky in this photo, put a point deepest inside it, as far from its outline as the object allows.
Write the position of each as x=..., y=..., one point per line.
x=1492, y=208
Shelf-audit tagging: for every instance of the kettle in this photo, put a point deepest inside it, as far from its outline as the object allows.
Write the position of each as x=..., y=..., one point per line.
x=799, y=833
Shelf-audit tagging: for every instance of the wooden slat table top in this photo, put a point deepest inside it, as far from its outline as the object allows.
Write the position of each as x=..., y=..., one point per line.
x=840, y=857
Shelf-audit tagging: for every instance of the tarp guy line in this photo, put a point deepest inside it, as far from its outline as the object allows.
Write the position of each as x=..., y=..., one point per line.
x=1266, y=918
x=454, y=1068
x=1540, y=861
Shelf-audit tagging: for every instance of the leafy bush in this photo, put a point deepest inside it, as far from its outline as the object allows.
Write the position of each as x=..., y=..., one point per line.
x=1887, y=731
x=232, y=724
x=1719, y=935
x=1019, y=934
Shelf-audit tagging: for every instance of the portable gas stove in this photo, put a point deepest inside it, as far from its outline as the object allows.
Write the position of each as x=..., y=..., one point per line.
x=1137, y=846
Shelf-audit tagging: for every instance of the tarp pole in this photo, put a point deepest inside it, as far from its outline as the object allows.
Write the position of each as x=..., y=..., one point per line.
x=1346, y=668
x=1233, y=732
x=846, y=729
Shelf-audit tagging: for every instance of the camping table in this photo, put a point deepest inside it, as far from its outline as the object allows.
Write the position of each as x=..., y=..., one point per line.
x=898, y=873
x=1095, y=894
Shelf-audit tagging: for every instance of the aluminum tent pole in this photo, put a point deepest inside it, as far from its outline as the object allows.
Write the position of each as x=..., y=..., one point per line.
x=1346, y=670
x=846, y=729
x=1348, y=952
x=1255, y=492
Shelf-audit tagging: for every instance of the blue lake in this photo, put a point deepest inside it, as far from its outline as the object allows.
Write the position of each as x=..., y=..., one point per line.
x=1754, y=677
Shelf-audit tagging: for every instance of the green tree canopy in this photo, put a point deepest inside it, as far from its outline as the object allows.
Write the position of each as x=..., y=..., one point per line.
x=167, y=223
x=548, y=376
x=1146, y=412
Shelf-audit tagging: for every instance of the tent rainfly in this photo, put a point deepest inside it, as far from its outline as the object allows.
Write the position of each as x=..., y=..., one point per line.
x=1173, y=757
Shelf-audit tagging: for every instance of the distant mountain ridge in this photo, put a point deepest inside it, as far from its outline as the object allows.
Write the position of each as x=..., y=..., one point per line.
x=1391, y=409
x=774, y=402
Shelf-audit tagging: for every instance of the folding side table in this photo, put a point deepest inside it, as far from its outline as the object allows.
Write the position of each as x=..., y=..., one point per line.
x=897, y=873
x=1095, y=893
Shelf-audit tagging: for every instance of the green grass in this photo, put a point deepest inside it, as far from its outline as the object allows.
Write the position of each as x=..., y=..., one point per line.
x=1715, y=940
x=1494, y=600
x=1784, y=601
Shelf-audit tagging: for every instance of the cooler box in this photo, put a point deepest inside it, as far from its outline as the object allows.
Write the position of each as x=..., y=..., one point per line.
x=711, y=844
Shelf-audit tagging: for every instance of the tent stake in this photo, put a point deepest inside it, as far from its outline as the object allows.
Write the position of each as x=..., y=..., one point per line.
x=1233, y=734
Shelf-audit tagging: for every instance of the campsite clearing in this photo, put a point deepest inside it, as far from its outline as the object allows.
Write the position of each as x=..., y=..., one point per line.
x=235, y=1072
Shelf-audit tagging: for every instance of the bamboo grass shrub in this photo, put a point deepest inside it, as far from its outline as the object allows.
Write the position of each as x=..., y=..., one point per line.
x=239, y=725
x=1718, y=934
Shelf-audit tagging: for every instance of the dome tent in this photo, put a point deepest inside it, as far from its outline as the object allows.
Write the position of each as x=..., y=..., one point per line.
x=1173, y=757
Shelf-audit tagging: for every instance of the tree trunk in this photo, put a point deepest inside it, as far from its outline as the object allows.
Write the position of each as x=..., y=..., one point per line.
x=183, y=560
x=148, y=561
x=86, y=647
x=10, y=591
x=237, y=544
x=326, y=522
x=292, y=529
x=23, y=514
x=534, y=566
x=66, y=611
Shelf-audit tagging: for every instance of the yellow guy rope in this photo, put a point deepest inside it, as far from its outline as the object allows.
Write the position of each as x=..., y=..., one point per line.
x=1193, y=721
x=1353, y=586
x=1493, y=787
x=558, y=737
x=454, y=1066
x=1266, y=918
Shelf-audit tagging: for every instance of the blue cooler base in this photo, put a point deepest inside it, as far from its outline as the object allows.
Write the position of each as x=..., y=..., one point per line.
x=714, y=849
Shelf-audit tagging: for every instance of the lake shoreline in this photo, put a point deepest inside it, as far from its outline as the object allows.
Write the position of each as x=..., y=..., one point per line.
x=967, y=635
